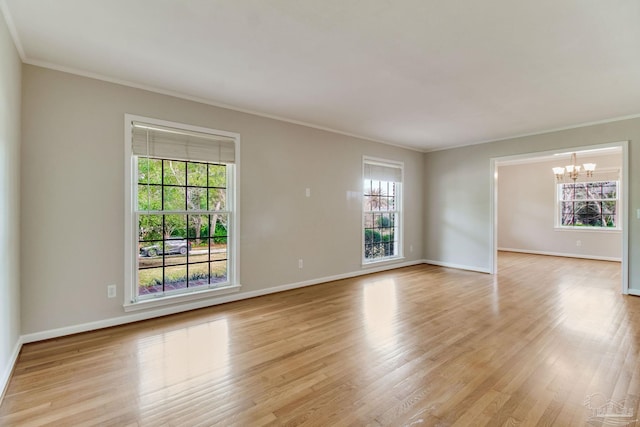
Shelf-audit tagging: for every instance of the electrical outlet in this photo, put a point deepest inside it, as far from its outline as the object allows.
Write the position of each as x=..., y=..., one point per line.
x=410, y=248
x=111, y=291
x=579, y=243
x=300, y=263
x=308, y=192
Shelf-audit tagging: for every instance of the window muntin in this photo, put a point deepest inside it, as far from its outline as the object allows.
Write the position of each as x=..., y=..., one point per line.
x=381, y=211
x=592, y=205
x=182, y=226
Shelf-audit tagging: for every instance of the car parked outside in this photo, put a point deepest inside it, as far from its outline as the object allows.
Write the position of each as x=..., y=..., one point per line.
x=170, y=247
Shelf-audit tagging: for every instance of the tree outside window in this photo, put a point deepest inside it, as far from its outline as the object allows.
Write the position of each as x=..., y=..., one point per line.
x=588, y=204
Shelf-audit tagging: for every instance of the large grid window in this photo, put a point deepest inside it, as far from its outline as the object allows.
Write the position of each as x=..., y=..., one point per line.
x=183, y=215
x=182, y=225
x=588, y=204
x=381, y=210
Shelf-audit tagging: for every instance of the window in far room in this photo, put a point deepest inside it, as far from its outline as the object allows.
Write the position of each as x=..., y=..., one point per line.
x=382, y=210
x=592, y=205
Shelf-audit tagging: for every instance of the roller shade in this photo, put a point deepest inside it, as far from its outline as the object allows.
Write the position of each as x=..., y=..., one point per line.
x=170, y=143
x=380, y=172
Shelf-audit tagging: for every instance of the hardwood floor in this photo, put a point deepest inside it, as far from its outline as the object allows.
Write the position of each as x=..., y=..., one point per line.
x=420, y=345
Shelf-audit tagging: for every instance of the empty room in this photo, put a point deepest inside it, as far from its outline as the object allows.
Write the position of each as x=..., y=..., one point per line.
x=244, y=213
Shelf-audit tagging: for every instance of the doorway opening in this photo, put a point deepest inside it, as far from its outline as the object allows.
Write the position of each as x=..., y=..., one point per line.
x=525, y=187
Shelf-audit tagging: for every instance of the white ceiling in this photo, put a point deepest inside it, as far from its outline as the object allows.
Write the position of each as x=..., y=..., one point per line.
x=419, y=73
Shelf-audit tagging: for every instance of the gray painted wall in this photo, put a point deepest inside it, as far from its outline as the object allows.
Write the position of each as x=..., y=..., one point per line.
x=527, y=212
x=73, y=187
x=457, y=185
x=10, y=81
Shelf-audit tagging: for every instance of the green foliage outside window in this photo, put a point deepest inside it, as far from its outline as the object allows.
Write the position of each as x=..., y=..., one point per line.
x=180, y=201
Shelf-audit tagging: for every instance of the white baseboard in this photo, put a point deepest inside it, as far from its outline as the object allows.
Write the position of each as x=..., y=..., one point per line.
x=561, y=254
x=635, y=292
x=458, y=266
x=178, y=308
x=6, y=375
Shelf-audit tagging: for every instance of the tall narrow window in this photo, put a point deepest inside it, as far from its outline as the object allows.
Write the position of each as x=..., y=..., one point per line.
x=382, y=208
x=183, y=210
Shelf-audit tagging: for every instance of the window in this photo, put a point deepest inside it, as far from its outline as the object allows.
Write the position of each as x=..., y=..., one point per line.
x=182, y=209
x=588, y=204
x=382, y=208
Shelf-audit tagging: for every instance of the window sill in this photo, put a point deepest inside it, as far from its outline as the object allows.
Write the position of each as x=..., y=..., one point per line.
x=588, y=229
x=180, y=298
x=376, y=263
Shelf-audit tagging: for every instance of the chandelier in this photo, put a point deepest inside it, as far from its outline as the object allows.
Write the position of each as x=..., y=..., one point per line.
x=573, y=170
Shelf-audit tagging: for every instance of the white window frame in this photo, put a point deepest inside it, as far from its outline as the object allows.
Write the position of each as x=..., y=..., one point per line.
x=131, y=303
x=399, y=212
x=589, y=229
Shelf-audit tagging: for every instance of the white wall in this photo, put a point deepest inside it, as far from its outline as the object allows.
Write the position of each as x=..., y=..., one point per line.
x=457, y=186
x=10, y=82
x=73, y=203
x=527, y=212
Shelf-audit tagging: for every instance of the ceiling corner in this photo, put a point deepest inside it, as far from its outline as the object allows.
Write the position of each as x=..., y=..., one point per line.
x=8, y=19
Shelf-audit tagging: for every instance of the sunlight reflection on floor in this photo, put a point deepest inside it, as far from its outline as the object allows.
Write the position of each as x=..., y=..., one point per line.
x=379, y=308
x=169, y=360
